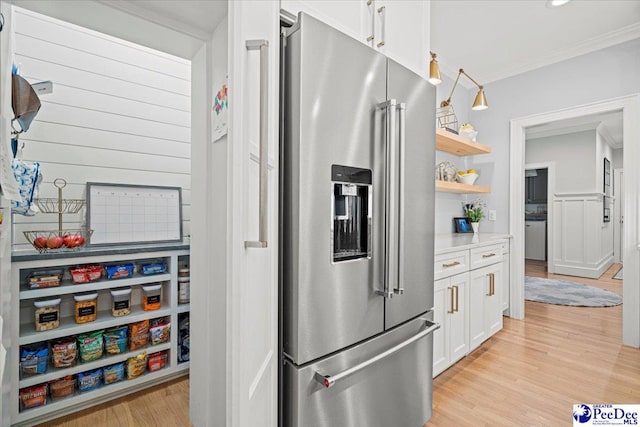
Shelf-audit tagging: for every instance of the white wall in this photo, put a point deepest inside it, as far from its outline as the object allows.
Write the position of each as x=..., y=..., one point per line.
x=616, y=158
x=119, y=113
x=576, y=81
x=574, y=155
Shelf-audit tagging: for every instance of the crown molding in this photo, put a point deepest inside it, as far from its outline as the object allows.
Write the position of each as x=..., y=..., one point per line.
x=612, y=38
x=608, y=139
x=533, y=134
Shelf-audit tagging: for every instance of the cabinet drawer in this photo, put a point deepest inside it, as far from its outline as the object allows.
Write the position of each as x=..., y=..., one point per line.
x=486, y=255
x=452, y=263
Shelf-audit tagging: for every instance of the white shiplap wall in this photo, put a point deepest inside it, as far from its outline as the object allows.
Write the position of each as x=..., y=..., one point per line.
x=119, y=113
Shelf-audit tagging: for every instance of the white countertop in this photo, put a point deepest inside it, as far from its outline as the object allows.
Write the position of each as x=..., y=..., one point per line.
x=452, y=242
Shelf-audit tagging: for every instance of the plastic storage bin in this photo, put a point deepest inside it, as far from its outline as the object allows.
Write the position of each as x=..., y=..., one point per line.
x=151, y=297
x=86, y=307
x=120, y=302
x=47, y=314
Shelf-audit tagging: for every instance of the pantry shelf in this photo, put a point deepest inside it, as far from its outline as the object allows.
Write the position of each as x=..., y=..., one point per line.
x=82, y=367
x=68, y=287
x=456, y=187
x=68, y=325
x=458, y=145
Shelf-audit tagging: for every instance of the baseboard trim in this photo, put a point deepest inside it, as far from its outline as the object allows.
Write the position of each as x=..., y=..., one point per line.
x=590, y=272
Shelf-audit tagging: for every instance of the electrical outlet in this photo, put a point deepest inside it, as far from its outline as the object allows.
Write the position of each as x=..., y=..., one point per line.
x=492, y=215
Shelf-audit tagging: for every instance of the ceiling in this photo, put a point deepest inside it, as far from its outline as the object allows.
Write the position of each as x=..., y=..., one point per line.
x=197, y=18
x=493, y=39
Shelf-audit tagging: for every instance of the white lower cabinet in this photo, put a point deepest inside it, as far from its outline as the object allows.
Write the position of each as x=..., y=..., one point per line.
x=485, y=304
x=451, y=341
x=468, y=305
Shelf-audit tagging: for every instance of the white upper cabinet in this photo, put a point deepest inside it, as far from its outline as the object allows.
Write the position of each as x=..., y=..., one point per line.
x=352, y=17
x=401, y=32
x=397, y=28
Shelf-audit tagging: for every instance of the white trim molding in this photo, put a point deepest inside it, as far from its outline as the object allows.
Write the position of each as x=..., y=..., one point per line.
x=630, y=106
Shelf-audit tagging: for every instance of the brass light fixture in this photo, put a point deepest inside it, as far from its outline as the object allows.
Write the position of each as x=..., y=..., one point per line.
x=434, y=71
x=480, y=103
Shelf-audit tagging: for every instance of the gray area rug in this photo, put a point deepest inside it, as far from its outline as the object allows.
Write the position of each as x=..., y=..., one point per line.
x=618, y=275
x=561, y=292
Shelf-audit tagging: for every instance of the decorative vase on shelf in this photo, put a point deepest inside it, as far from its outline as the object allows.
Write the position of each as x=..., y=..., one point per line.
x=475, y=226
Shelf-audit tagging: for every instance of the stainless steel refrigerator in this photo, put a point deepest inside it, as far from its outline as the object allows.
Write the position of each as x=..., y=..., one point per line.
x=357, y=191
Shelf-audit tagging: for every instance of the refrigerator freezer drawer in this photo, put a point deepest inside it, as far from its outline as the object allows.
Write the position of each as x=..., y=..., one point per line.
x=394, y=390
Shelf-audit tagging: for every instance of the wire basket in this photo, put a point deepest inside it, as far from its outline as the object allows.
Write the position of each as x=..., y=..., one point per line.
x=446, y=118
x=58, y=240
x=65, y=206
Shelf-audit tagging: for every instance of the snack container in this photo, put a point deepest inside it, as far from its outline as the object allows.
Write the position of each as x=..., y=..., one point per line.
x=65, y=352
x=151, y=297
x=114, y=373
x=89, y=380
x=89, y=273
x=86, y=309
x=47, y=314
x=62, y=387
x=136, y=366
x=44, y=279
x=119, y=271
x=160, y=333
x=32, y=397
x=90, y=346
x=115, y=340
x=34, y=359
x=157, y=361
x=139, y=337
x=120, y=302
x=153, y=268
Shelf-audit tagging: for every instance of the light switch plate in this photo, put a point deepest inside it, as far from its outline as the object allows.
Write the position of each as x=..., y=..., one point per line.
x=492, y=215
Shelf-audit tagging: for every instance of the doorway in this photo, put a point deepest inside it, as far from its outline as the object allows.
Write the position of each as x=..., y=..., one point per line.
x=618, y=215
x=538, y=212
x=630, y=107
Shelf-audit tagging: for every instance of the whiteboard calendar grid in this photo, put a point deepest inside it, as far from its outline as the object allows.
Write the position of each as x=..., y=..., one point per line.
x=121, y=214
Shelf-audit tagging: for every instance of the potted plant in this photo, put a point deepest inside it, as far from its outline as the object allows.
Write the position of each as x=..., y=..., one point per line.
x=474, y=211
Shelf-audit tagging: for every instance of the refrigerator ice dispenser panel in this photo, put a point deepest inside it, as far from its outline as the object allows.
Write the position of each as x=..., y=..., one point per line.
x=351, y=213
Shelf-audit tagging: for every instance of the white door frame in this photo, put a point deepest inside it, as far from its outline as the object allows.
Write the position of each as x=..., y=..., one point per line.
x=617, y=217
x=551, y=193
x=630, y=106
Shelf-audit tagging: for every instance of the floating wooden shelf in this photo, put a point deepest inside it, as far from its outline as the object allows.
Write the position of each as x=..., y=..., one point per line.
x=458, y=145
x=456, y=187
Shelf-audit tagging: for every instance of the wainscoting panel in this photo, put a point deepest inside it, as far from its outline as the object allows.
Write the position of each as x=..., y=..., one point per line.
x=584, y=243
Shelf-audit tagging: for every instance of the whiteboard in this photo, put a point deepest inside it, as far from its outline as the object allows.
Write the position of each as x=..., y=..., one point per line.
x=133, y=214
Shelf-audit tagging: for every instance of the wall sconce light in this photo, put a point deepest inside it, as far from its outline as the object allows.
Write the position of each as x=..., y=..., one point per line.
x=434, y=71
x=480, y=103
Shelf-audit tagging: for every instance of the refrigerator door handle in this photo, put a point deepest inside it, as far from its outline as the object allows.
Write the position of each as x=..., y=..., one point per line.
x=330, y=380
x=402, y=107
x=263, y=46
x=390, y=250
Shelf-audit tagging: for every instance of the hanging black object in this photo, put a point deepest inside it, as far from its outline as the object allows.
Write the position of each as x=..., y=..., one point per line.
x=1, y=21
x=25, y=103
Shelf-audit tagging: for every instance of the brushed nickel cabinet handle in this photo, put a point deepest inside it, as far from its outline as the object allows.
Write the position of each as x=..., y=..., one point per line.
x=451, y=264
x=457, y=289
x=452, y=296
x=263, y=46
x=383, y=13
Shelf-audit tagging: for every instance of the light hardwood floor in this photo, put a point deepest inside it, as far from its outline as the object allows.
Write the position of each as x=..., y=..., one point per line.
x=530, y=373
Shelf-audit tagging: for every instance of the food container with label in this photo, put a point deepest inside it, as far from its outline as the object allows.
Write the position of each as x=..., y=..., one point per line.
x=151, y=297
x=34, y=359
x=120, y=302
x=65, y=352
x=47, y=314
x=86, y=307
x=184, y=292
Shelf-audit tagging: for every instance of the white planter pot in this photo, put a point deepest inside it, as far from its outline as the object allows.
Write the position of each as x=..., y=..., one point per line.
x=475, y=226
